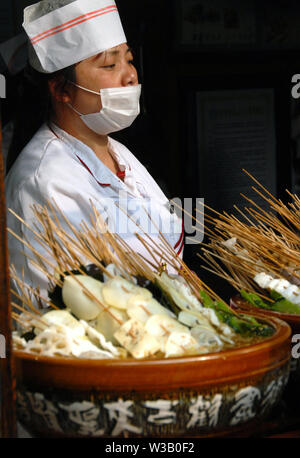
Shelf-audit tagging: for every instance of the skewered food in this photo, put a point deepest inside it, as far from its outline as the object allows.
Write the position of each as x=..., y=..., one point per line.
x=260, y=252
x=117, y=306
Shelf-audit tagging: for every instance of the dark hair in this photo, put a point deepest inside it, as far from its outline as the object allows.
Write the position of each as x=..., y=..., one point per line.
x=32, y=106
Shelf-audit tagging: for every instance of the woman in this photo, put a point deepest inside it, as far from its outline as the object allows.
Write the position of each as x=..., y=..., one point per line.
x=80, y=50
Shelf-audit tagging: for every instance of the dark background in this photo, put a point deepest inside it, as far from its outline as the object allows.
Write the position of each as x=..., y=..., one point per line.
x=164, y=135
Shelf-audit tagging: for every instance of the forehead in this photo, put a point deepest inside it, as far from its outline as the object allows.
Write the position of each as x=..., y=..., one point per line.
x=115, y=51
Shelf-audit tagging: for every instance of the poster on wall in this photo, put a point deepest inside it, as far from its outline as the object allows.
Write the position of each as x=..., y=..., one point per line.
x=215, y=23
x=235, y=131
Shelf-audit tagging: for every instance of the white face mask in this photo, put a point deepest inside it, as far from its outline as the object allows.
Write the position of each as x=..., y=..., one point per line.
x=120, y=107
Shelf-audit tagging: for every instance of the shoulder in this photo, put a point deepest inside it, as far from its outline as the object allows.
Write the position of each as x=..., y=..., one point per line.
x=44, y=154
x=45, y=164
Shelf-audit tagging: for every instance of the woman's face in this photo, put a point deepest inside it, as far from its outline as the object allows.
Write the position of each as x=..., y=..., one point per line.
x=112, y=68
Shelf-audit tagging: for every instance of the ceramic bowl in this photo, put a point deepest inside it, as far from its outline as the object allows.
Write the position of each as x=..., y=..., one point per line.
x=185, y=396
x=238, y=303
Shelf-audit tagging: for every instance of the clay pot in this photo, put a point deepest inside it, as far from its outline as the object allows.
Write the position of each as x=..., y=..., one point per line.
x=240, y=304
x=195, y=395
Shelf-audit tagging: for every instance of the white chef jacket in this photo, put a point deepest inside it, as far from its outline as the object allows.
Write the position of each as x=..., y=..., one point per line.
x=55, y=165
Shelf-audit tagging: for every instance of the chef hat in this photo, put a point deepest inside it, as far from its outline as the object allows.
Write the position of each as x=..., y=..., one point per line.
x=64, y=32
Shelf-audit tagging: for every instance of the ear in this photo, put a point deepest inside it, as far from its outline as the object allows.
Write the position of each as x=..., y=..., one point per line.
x=60, y=89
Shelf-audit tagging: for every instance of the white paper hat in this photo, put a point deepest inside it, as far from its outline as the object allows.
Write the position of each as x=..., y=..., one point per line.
x=64, y=32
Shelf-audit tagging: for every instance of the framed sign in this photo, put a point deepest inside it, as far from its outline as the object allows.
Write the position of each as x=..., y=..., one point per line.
x=211, y=24
x=233, y=123
x=228, y=25
x=235, y=131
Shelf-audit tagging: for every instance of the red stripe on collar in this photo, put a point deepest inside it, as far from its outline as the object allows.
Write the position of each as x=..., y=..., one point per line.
x=101, y=184
x=180, y=239
x=121, y=174
x=83, y=163
x=181, y=248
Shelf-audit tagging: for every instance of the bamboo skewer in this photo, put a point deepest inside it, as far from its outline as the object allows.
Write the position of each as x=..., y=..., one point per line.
x=271, y=242
x=63, y=246
x=70, y=252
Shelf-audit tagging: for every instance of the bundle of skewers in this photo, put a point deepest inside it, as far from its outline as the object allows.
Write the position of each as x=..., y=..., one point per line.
x=258, y=252
x=105, y=300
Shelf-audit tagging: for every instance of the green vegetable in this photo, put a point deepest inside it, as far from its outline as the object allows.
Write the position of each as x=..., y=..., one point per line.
x=255, y=300
x=274, y=295
x=240, y=323
x=283, y=305
x=280, y=304
x=220, y=305
x=206, y=300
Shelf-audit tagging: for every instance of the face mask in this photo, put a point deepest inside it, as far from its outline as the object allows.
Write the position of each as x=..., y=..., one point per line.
x=120, y=107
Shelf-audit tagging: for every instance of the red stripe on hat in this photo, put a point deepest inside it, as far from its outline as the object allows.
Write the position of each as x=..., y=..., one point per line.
x=112, y=9
x=73, y=20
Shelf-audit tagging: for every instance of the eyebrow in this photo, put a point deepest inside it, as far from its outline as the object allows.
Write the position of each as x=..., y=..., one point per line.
x=113, y=53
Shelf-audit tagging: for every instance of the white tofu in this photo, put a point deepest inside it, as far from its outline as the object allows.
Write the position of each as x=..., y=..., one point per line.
x=83, y=345
x=292, y=293
x=263, y=279
x=281, y=286
x=64, y=318
x=162, y=325
x=117, y=291
x=180, y=344
x=206, y=337
x=274, y=284
x=75, y=297
x=108, y=324
x=133, y=336
x=188, y=319
x=141, y=308
x=99, y=339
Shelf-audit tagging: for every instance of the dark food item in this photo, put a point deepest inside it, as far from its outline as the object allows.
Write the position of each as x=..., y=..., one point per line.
x=158, y=293
x=143, y=282
x=55, y=297
x=30, y=335
x=94, y=271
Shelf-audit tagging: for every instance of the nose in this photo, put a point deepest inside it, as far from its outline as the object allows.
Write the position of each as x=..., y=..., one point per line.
x=130, y=77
